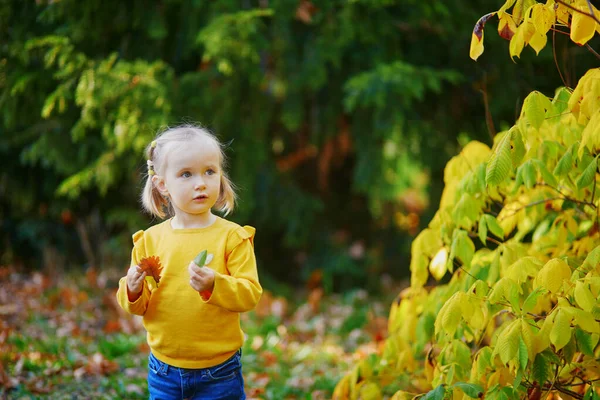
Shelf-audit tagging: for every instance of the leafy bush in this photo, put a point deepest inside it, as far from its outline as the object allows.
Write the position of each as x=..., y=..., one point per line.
x=516, y=241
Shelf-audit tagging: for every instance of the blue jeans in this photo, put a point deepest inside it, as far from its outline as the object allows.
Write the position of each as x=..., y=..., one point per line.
x=222, y=382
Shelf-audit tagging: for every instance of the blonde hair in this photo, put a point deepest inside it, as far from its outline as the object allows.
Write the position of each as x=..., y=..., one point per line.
x=154, y=202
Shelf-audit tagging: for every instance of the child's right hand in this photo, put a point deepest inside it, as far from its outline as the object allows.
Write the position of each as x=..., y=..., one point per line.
x=135, y=282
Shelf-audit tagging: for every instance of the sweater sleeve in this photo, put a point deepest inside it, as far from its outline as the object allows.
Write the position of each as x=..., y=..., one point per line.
x=240, y=290
x=138, y=306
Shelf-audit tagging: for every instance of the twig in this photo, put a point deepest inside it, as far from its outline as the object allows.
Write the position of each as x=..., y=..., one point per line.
x=488, y=115
x=565, y=197
x=579, y=11
x=592, y=16
x=592, y=50
x=555, y=60
x=535, y=203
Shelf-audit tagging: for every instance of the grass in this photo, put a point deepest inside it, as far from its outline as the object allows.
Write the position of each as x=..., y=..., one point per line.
x=67, y=339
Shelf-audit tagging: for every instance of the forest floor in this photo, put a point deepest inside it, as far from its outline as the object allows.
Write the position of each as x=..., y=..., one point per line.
x=66, y=338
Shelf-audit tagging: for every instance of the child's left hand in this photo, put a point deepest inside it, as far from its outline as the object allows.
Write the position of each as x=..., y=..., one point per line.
x=201, y=278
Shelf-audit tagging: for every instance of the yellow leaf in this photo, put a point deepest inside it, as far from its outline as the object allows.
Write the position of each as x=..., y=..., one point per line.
x=590, y=137
x=342, y=389
x=583, y=296
x=538, y=41
x=542, y=338
x=509, y=216
x=508, y=4
x=585, y=320
x=476, y=48
x=402, y=395
x=369, y=391
x=521, y=8
x=561, y=331
x=449, y=316
x=583, y=26
x=437, y=267
x=427, y=242
x=583, y=94
x=562, y=14
x=523, y=268
x=542, y=18
x=507, y=345
x=521, y=38
x=529, y=338
x=478, y=318
x=418, y=269
x=553, y=274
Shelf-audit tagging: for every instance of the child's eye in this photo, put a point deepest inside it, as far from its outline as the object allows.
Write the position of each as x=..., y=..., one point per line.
x=186, y=174
x=210, y=172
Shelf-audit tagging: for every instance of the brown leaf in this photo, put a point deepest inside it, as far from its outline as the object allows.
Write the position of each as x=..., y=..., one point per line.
x=151, y=265
x=98, y=365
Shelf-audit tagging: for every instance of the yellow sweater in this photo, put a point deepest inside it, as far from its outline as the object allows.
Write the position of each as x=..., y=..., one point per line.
x=185, y=330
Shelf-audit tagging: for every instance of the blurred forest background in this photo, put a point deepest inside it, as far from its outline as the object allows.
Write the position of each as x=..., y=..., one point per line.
x=340, y=116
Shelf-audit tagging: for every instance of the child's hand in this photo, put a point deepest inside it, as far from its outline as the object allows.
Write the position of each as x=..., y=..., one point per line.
x=135, y=282
x=201, y=278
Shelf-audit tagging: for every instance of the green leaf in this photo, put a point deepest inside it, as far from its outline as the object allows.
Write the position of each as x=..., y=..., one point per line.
x=484, y=361
x=494, y=226
x=584, y=296
x=565, y=164
x=546, y=175
x=529, y=174
x=200, y=259
x=462, y=247
x=540, y=369
x=561, y=331
x=561, y=100
x=591, y=394
x=588, y=175
x=518, y=148
x=534, y=108
x=532, y=299
x=508, y=342
x=500, y=163
x=591, y=260
x=523, y=357
x=482, y=230
x=465, y=211
x=470, y=389
x=435, y=394
x=586, y=342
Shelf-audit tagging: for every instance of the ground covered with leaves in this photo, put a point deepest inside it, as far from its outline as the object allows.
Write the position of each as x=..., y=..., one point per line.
x=65, y=337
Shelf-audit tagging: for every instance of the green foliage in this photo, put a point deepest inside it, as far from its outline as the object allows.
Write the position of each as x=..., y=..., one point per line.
x=337, y=113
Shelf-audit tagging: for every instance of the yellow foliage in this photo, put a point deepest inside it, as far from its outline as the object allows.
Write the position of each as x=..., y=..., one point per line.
x=553, y=274
x=402, y=395
x=528, y=300
x=583, y=26
x=437, y=267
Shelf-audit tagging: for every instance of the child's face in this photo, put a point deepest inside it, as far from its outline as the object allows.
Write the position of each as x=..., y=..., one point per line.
x=191, y=177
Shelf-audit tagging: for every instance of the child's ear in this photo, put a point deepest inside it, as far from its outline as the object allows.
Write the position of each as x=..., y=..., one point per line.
x=159, y=183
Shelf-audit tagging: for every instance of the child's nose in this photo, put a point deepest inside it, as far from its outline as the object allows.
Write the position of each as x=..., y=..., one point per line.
x=200, y=184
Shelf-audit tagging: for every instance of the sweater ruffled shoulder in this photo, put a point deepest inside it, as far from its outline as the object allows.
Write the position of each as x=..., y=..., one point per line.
x=137, y=236
x=139, y=247
x=239, y=235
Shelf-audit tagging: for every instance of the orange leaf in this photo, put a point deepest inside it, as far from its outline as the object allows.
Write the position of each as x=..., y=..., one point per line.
x=151, y=266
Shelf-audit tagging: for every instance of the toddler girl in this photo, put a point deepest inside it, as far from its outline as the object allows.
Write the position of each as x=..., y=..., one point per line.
x=191, y=313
